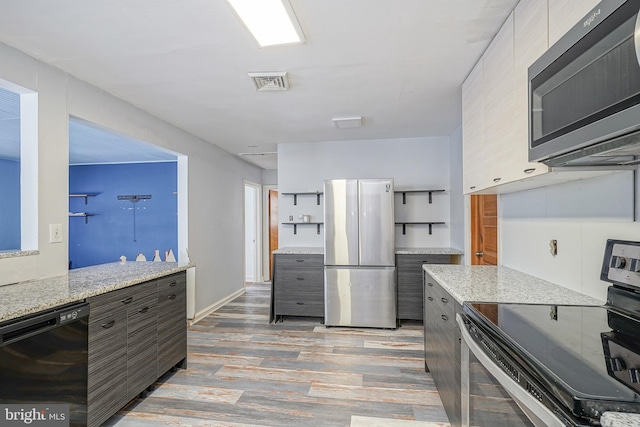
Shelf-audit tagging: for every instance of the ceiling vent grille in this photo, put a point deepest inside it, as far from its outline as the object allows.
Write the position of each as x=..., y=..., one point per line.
x=270, y=81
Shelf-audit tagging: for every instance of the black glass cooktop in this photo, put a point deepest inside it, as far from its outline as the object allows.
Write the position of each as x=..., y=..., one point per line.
x=567, y=348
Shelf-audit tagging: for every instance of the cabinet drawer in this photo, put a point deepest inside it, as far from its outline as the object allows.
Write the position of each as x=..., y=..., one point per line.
x=126, y=297
x=170, y=284
x=289, y=261
x=416, y=260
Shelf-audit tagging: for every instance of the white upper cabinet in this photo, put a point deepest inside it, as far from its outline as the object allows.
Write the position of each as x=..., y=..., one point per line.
x=473, y=131
x=564, y=14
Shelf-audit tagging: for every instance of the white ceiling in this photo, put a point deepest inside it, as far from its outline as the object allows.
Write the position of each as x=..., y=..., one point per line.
x=397, y=63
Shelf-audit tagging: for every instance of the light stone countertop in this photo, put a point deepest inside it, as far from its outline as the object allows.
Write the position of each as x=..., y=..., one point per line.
x=16, y=254
x=30, y=297
x=618, y=419
x=502, y=284
x=293, y=250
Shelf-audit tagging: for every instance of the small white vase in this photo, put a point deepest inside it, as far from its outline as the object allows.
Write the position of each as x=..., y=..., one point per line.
x=141, y=257
x=169, y=256
x=156, y=256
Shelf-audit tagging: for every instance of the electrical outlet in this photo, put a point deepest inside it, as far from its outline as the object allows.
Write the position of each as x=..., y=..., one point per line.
x=55, y=233
x=553, y=247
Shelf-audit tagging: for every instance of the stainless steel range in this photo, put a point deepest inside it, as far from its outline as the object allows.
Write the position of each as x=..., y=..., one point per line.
x=550, y=365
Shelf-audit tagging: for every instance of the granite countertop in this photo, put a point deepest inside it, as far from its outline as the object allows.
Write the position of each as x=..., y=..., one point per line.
x=502, y=284
x=618, y=419
x=400, y=251
x=30, y=297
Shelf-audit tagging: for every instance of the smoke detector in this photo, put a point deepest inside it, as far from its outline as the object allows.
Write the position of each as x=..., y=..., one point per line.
x=270, y=81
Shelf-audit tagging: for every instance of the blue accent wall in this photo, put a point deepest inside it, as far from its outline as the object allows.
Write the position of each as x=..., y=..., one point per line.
x=9, y=204
x=112, y=231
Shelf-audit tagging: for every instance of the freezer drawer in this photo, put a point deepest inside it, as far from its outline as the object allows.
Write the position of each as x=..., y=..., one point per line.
x=360, y=297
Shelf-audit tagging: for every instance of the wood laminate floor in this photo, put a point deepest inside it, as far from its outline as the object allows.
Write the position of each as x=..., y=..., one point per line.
x=243, y=371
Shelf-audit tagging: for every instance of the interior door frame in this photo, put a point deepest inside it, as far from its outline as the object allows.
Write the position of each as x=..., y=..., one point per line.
x=258, y=225
x=266, y=274
x=468, y=244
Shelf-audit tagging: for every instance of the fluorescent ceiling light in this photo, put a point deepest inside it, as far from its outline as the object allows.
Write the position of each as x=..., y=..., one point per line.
x=272, y=22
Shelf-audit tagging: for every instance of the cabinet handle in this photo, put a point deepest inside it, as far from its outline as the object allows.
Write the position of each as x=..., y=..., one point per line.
x=172, y=296
x=444, y=300
x=127, y=301
x=299, y=260
x=496, y=179
x=530, y=170
x=429, y=284
x=444, y=317
x=172, y=284
x=108, y=324
x=143, y=310
x=300, y=303
x=473, y=187
x=430, y=298
x=299, y=278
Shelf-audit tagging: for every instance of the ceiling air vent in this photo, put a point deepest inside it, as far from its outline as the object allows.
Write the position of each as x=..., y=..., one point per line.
x=270, y=81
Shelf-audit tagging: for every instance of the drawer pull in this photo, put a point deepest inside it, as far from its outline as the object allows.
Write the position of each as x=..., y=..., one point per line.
x=430, y=298
x=299, y=260
x=444, y=300
x=143, y=310
x=108, y=324
x=430, y=284
x=300, y=303
x=530, y=170
x=444, y=317
x=172, y=296
x=172, y=284
x=127, y=301
x=299, y=278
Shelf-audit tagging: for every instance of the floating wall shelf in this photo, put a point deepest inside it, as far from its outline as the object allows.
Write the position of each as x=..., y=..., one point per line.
x=404, y=194
x=296, y=224
x=85, y=215
x=295, y=197
x=404, y=225
x=86, y=196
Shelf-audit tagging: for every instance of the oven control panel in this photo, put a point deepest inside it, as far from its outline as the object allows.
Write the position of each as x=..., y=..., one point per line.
x=622, y=356
x=621, y=263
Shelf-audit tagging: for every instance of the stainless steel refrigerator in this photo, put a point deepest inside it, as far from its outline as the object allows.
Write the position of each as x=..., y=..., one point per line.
x=359, y=253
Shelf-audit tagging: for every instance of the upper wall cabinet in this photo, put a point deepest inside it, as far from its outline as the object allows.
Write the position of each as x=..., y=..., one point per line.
x=495, y=130
x=563, y=14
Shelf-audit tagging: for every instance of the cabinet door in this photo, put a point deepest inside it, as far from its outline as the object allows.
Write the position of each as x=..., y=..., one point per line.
x=473, y=130
x=142, y=348
x=107, y=367
x=498, y=98
x=172, y=322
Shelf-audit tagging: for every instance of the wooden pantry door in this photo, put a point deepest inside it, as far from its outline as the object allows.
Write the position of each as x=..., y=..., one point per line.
x=484, y=229
x=273, y=227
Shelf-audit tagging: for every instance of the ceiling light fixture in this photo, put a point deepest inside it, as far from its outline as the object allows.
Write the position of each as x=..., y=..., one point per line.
x=347, y=122
x=271, y=22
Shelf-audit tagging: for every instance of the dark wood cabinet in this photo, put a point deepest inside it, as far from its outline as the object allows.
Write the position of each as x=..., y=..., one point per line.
x=298, y=285
x=409, y=279
x=136, y=334
x=442, y=345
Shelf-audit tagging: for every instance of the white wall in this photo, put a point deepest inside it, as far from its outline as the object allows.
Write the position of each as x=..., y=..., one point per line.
x=269, y=177
x=215, y=179
x=581, y=216
x=414, y=163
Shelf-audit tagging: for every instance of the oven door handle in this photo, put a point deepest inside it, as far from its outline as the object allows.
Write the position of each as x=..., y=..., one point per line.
x=529, y=404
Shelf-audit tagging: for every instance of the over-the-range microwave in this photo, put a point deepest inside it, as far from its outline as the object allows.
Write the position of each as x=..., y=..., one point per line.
x=584, y=92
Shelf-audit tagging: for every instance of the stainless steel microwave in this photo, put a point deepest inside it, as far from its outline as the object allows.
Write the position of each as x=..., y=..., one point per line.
x=584, y=92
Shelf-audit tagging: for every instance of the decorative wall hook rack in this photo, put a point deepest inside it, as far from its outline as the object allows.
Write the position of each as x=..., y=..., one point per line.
x=135, y=198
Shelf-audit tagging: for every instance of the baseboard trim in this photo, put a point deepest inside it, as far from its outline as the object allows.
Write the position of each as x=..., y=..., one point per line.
x=213, y=307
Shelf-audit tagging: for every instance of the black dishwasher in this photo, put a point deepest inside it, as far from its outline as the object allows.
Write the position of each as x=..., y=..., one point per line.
x=43, y=367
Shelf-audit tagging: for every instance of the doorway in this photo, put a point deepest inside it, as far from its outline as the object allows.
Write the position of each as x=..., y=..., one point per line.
x=252, y=204
x=484, y=229
x=270, y=228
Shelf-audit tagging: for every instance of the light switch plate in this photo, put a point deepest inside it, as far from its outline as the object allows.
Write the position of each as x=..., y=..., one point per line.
x=55, y=233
